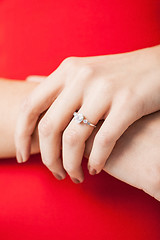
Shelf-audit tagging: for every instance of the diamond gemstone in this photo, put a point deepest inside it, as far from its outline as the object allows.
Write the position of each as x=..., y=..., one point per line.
x=78, y=117
x=85, y=121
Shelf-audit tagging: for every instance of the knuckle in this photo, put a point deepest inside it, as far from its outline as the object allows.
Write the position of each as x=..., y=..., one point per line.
x=44, y=126
x=130, y=101
x=125, y=96
x=70, y=137
x=86, y=70
x=75, y=64
x=69, y=62
x=107, y=87
x=128, y=97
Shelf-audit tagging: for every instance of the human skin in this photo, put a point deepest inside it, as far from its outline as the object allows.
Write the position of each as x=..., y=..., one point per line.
x=118, y=89
x=134, y=159
x=12, y=94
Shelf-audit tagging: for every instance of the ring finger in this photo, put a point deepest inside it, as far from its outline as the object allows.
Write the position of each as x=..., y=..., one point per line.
x=75, y=136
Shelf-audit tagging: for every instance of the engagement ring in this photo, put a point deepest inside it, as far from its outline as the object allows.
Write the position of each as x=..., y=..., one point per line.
x=78, y=117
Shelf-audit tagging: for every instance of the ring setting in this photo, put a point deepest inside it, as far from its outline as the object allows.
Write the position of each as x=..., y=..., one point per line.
x=78, y=117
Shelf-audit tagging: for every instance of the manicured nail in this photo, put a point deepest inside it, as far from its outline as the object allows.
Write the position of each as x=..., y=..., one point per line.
x=19, y=157
x=75, y=180
x=57, y=176
x=92, y=171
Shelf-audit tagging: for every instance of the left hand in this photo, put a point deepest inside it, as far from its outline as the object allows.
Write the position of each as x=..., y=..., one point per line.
x=117, y=88
x=135, y=158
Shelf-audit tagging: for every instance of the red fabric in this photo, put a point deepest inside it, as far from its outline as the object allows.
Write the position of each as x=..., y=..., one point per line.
x=35, y=36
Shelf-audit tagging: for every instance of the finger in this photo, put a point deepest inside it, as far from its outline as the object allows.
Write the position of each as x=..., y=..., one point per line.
x=90, y=140
x=74, y=138
x=36, y=103
x=51, y=127
x=35, y=78
x=112, y=128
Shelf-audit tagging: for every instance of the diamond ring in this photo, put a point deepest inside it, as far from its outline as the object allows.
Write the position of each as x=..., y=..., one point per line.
x=78, y=117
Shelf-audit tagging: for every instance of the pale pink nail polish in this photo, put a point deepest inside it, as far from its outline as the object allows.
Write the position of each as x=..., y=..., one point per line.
x=92, y=171
x=57, y=176
x=75, y=180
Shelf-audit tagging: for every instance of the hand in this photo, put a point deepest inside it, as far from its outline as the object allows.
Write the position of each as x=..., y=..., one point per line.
x=135, y=158
x=117, y=88
x=12, y=93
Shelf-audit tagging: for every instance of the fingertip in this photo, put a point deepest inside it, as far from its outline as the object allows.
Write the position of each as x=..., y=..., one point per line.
x=19, y=157
x=58, y=176
x=24, y=154
x=93, y=170
x=25, y=159
x=76, y=180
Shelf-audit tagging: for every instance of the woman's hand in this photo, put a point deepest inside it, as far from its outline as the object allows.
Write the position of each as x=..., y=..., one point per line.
x=135, y=158
x=117, y=88
x=12, y=93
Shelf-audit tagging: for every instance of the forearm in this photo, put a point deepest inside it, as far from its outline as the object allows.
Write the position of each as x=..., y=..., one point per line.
x=12, y=94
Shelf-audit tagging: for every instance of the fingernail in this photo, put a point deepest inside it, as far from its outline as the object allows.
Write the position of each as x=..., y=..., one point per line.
x=57, y=176
x=92, y=171
x=75, y=180
x=19, y=157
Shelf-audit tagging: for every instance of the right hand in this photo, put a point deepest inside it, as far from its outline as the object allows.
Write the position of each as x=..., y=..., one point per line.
x=128, y=88
x=135, y=157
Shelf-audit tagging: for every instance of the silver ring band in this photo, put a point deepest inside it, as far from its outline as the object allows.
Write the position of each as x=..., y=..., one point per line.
x=78, y=117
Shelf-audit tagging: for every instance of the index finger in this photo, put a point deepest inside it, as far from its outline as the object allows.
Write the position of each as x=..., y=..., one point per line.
x=33, y=106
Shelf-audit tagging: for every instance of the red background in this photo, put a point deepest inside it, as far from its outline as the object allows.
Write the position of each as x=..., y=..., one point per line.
x=35, y=36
